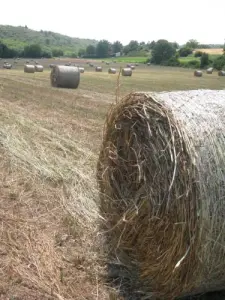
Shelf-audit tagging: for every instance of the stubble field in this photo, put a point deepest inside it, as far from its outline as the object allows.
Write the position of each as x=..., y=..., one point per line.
x=49, y=142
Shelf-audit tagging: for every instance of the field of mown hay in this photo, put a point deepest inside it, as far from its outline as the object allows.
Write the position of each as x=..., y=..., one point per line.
x=49, y=144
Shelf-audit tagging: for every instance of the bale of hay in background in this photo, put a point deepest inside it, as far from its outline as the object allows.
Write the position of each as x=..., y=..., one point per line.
x=112, y=71
x=126, y=72
x=161, y=175
x=209, y=71
x=98, y=69
x=107, y=63
x=52, y=66
x=7, y=66
x=221, y=73
x=91, y=65
x=128, y=65
x=65, y=77
x=39, y=68
x=132, y=67
x=198, y=73
x=27, y=61
x=136, y=65
x=81, y=70
x=148, y=64
x=29, y=68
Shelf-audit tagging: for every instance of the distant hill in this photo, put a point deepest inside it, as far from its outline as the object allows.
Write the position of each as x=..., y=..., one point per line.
x=18, y=37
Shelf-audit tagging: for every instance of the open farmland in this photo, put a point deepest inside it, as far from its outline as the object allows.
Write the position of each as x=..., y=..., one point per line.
x=49, y=147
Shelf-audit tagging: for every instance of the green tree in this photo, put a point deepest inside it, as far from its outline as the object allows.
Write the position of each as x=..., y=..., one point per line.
x=91, y=50
x=117, y=47
x=103, y=49
x=219, y=62
x=81, y=52
x=162, y=51
x=57, y=52
x=133, y=46
x=204, y=60
x=185, y=51
x=33, y=51
x=193, y=44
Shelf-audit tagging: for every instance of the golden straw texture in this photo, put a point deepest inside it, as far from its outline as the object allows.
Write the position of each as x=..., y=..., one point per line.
x=161, y=175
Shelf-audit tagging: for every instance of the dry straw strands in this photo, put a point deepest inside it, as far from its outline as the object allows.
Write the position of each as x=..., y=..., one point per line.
x=65, y=77
x=112, y=71
x=29, y=68
x=209, y=71
x=221, y=73
x=126, y=72
x=198, y=73
x=98, y=69
x=39, y=68
x=161, y=173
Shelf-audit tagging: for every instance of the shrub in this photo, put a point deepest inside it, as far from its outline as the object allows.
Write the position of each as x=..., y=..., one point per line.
x=219, y=62
x=172, y=62
x=198, y=54
x=195, y=64
x=184, y=52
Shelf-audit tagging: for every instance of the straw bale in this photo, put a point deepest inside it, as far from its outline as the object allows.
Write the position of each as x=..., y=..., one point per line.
x=29, y=68
x=39, y=68
x=126, y=72
x=98, y=69
x=65, y=77
x=198, y=73
x=112, y=71
x=209, y=71
x=221, y=73
x=81, y=70
x=161, y=176
x=7, y=66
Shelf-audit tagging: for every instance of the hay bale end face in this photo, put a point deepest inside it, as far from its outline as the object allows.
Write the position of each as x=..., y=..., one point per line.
x=198, y=73
x=39, y=68
x=161, y=176
x=112, y=71
x=65, y=77
x=126, y=72
x=221, y=73
x=98, y=69
x=29, y=68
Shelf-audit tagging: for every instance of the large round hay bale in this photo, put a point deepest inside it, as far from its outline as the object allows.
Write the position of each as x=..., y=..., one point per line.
x=161, y=175
x=221, y=73
x=98, y=69
x=29, y=68
x=39, y=68
x=81, y=70
x=198, y=73
x=65, y=77
x=112, y=71
x=209, y=71
x=126, y=72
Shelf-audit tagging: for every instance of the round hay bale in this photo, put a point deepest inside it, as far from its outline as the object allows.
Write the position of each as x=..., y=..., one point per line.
x=81, y=70
x=136, y=65
x=198, y=73
x=52, y=66
x=128, y=65
x=98, y=69
x=221, y=73
x=209, y=71
x=91, y=65
x=161, y=176
x=7, y=66
x=27, y=61
x=39, y=68
x=107, y=63
x=148, y=64
x=65, y=77
x=29, y=68
x=132, y=67
x=112, y=71
x=126, y=72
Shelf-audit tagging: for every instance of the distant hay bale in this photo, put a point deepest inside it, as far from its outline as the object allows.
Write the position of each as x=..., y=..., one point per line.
x=39, y=68
x=91, y=65
x=128, y=65
x=52, y=66
x=81, y=70
x=132, y=67
x=27, y=61
x=7, y=66
x=65, y=77
x=161, y=176
x=126, y=72
x=98, y=69
x=29, y=68
x=36, y=63
x=112, y=71
x=221, y=73
x=198, y=73
x=107, y=63
x=136, y=65
x=148, y=64
x=209, y=71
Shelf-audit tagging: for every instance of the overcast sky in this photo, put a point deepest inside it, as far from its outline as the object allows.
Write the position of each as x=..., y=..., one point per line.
x=143, y=20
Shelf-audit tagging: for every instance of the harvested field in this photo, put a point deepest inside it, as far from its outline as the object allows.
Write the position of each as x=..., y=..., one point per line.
x=49, y=144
